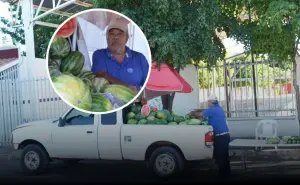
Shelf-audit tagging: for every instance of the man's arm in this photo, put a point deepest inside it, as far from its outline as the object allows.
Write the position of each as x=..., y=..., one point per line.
x=197, y=114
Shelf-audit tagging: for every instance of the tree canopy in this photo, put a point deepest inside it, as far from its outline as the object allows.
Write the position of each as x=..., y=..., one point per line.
x=177, y=31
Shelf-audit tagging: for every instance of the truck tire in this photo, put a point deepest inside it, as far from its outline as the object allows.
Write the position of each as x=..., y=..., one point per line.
x=166, y=162
x=34, y=159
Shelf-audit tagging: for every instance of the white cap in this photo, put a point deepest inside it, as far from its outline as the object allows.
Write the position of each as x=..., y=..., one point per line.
x=212, y=97
x=119, y=24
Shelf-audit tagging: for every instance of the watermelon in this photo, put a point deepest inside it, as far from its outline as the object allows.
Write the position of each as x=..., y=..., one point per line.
x=170, y=118
x=89, y=83
x=139, y=116
x=134, y=109
x=67, y=29
x=73, y=63
x=100, y=103
x=53, y=68
x=178, y=119
x=132, y=122
x=131, y=115
x=152, y=114
x=123, y=93
x=194, y=122
x=73, y=90
x=87, y=74
x=154, y=109
x=163, y=122
x=142, y=122
x=145, y=110
x=182, y=123
x=160, y=115
x=151, y=118
x=59, y=48
x=166, y=112
x=99, y=83
x=138, y=108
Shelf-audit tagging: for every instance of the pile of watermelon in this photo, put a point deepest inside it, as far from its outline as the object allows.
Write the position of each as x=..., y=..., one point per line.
x=82, y=88
x=160, y=117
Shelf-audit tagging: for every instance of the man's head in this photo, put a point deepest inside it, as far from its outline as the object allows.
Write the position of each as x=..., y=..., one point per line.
x=212, y=100
x=117, y=36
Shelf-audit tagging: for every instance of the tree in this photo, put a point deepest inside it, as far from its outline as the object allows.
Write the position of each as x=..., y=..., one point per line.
x=272, y=30
x=178, y=31
x=42, y=34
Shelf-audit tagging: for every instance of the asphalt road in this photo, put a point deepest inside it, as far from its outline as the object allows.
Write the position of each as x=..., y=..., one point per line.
x=120, y=172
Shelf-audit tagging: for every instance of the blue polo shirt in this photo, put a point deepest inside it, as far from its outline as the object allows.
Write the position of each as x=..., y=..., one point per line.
x=216, y=118
x=132, y=71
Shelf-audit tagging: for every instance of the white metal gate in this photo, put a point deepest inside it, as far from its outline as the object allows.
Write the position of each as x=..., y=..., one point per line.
x=270, y=93
x=10, y=104
x=16, y=104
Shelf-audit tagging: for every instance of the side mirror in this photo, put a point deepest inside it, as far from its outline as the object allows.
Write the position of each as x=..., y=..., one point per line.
x=61, y=122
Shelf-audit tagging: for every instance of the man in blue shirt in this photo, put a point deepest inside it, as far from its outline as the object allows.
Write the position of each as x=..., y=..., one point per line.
x=217, y=119
x=117, y=63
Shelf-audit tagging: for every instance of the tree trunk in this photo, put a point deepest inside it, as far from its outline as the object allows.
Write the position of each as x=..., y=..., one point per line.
x=167, y=101
x=296, y=82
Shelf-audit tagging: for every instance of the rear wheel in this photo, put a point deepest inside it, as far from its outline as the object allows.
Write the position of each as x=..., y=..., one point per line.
x=34, y=159
x=166, y=161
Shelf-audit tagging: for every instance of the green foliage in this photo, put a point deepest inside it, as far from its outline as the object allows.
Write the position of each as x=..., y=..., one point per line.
x=42, y=34
x=177, y=30
x=273, y=29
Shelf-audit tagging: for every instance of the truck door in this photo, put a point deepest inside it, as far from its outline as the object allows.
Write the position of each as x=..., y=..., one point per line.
x=109, y=136
x=77, y=138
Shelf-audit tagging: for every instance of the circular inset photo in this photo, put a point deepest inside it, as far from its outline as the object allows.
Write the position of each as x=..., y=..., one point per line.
x=99, y=61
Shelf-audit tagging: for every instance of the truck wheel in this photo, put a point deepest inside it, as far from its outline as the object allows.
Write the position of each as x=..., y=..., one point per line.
x=34, y=159
x=166, y=161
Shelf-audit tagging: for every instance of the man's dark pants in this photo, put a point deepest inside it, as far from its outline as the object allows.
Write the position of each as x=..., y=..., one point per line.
x=221, y=155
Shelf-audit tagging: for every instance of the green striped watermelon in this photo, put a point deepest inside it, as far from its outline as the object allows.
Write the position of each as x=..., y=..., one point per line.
x=53, y=68
x=89, y=83
x=99, y=83
x=100, y=103
x=73, y=90
x=123, y=93
x=73, y=63
x=87, y=74
x=59, y=48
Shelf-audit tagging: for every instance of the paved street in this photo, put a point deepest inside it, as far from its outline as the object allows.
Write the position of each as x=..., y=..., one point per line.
x=130, y=172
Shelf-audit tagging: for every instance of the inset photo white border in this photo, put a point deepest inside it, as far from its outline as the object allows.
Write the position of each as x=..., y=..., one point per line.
x=141, y=35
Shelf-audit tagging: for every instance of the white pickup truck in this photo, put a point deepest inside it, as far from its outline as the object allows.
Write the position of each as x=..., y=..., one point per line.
x=76, y=136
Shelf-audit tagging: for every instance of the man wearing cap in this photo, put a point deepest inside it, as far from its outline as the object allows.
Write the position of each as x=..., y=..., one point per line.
x=217, y=119
x=117, y=63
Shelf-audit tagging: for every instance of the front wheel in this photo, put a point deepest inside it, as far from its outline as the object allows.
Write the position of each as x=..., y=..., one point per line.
x=34, y=159
x=166, y=161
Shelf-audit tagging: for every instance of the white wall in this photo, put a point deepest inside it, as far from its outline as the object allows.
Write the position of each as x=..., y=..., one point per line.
x=183, y=102
x=38, y=68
